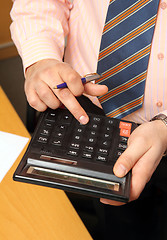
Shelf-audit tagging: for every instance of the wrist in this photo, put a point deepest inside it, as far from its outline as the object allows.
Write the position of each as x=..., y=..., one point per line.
x=163, y=119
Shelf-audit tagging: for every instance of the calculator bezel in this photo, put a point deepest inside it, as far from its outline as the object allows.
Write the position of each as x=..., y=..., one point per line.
x=22, y=176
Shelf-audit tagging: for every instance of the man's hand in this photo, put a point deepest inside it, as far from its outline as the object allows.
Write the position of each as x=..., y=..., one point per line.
x=146, y=146
x=42, y=76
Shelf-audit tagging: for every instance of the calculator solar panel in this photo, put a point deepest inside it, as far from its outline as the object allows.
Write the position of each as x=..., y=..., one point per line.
x=67, y=155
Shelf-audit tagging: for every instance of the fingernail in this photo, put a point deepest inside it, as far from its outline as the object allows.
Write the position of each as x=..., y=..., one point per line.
x=83, y=120
x=120, y=170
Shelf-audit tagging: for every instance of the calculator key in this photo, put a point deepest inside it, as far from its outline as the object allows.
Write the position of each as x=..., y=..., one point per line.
x=107, y=129
x=75, y=145
x=57, y=142
x=48, y=124
x=103, y=151
x=51, y=116
x=72, y=153
x=101, y=158
x=105, y=143
x=122, y=146
x=96, y=119
x=125, y=132
x=58, y=134
x=89, y=148
x=118, y=153
x=125, y=125
x=93, y=133
x=107, y=136
x=77, y=137
x=123, y=139
x=94, y=126
x=79, y=130
x=91, y=140
x=110, y=121
x=66, y=118
x=45, y=131
x=61, y=127
x=42, y=139
x=87, y=155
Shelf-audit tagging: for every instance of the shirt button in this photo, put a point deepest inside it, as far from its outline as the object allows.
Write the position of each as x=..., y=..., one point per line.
x=69, y=4
x=160, y=56
x=163, y=5
x=159, y=104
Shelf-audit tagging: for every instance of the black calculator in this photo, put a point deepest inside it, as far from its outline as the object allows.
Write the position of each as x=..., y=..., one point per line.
x=67, y=155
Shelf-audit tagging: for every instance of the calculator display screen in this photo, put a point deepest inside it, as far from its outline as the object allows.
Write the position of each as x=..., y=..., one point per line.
x=70, y=177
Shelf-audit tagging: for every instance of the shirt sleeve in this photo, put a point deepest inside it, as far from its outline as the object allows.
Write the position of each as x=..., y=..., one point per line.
x=39, y=28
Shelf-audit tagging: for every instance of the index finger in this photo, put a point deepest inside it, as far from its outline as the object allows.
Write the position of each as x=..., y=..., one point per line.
x=72, y=79
x=69, y=100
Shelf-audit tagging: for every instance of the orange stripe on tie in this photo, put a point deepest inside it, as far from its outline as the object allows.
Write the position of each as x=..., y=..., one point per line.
x=125, y=14
x=126, y=107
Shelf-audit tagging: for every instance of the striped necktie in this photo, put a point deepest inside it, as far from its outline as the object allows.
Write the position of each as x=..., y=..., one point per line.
x=124, y=54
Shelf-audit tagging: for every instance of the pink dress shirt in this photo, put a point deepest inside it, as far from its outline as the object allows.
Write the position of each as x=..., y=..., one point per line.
x=39, y=29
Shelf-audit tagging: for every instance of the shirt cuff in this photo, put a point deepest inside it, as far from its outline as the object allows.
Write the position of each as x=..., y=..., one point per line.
x=38, y=48
x=163, y=112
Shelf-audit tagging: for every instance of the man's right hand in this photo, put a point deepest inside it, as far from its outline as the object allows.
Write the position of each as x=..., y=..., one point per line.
x=42, y=76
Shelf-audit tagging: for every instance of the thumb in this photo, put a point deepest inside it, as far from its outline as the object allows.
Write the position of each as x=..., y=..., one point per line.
x=95, y=89
x=129, y=158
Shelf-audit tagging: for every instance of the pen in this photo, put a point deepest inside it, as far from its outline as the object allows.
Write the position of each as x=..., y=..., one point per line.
x=87, y=78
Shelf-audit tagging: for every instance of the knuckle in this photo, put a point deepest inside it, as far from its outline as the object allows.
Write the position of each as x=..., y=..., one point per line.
x=45, y=74
x=72, y=77
x=79, y=91
x=42, y=108
x=78, y=94
x=44, y=93
x=42, y=75
x=33, y=102
x=55, y=104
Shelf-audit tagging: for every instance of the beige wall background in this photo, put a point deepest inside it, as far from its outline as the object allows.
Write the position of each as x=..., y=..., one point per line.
x=7, y=48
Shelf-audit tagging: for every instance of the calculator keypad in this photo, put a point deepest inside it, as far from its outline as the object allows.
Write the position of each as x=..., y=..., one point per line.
x=102, y=140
